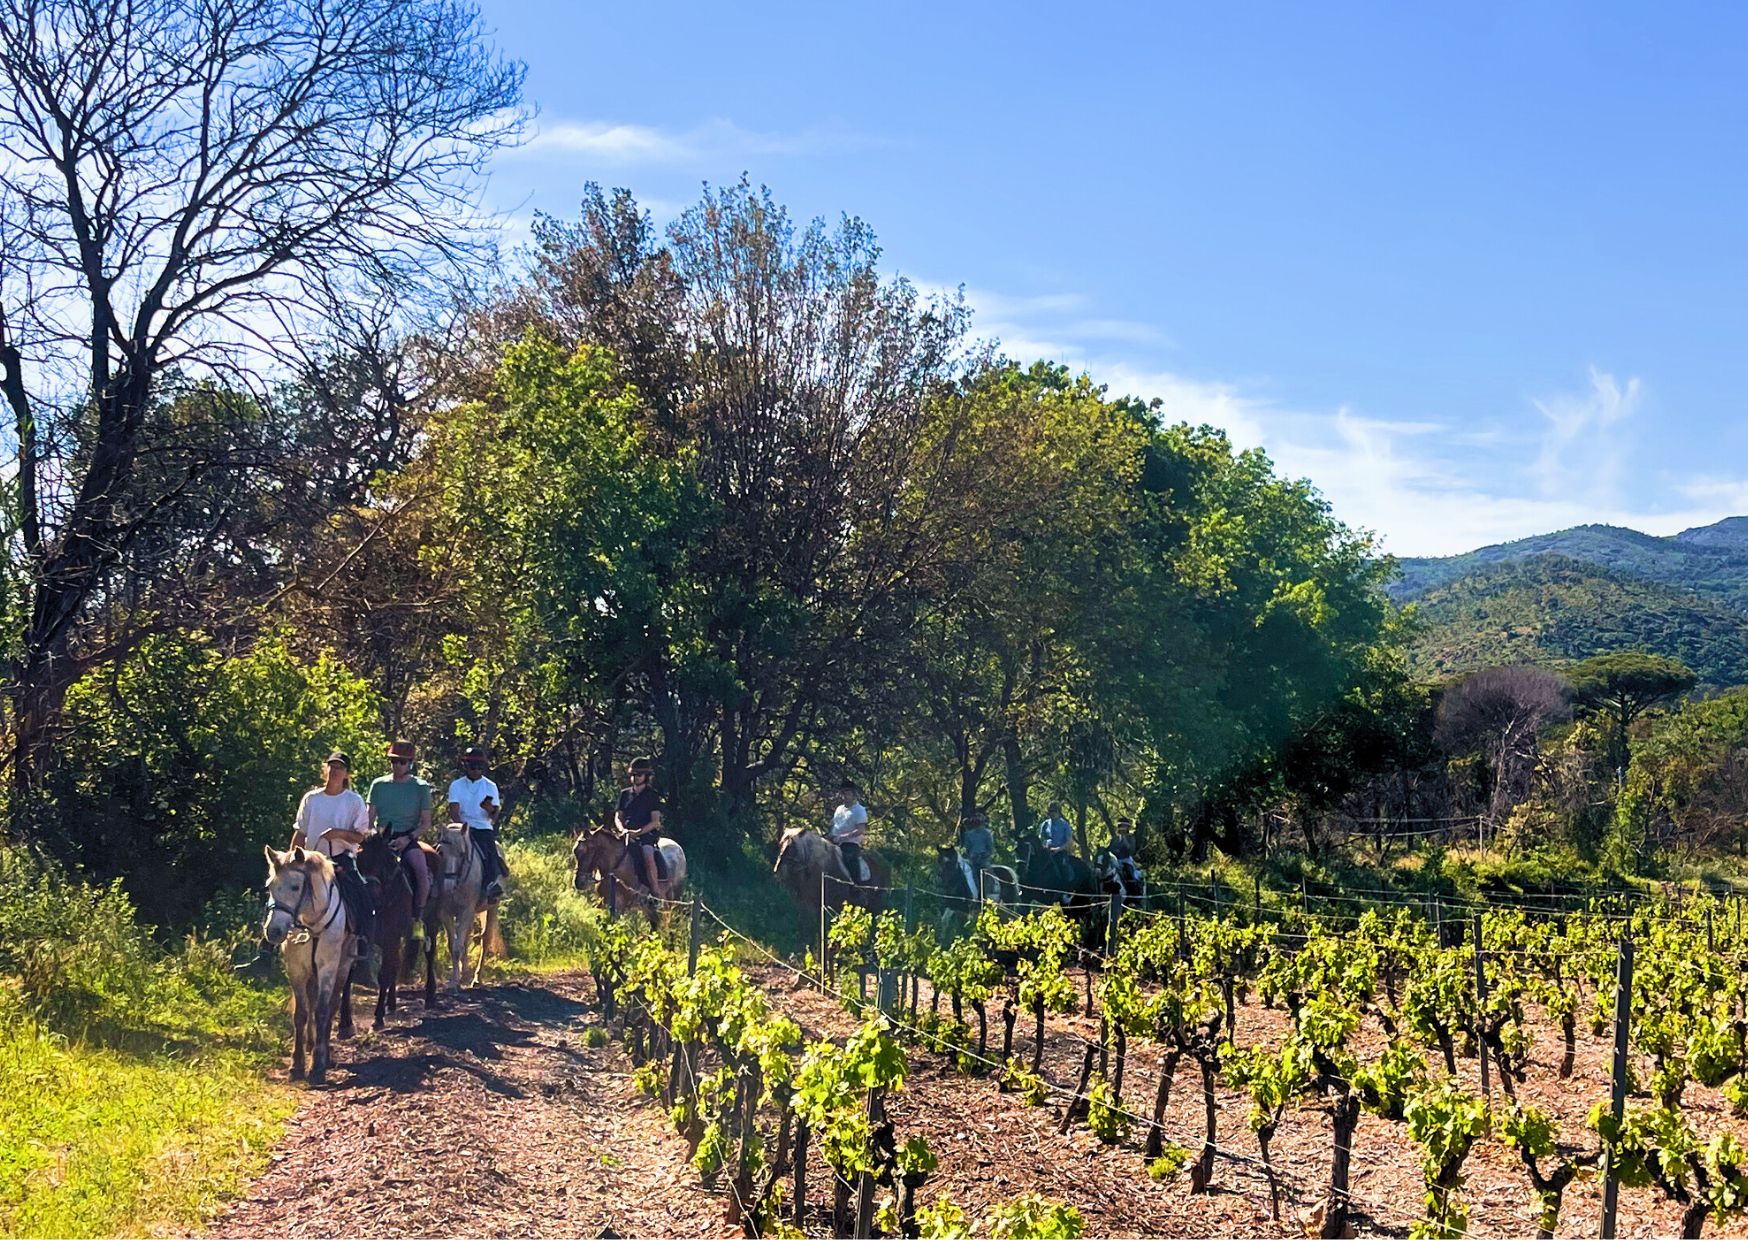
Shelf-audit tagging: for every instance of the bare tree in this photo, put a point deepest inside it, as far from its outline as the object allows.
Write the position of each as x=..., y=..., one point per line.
x=196, y=191
x=1499, y=711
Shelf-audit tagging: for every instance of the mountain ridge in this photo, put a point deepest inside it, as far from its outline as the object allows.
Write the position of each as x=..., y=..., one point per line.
x=1563, y=596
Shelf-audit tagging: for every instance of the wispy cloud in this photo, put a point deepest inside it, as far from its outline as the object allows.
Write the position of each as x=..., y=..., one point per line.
x=630, y=145
x=1582, y=453
x=1425, y=487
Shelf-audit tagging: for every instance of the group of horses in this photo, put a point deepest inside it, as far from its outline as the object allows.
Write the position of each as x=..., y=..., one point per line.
x=307, y=919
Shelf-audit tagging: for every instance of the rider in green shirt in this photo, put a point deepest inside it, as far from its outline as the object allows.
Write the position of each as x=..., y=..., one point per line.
x=400, y=806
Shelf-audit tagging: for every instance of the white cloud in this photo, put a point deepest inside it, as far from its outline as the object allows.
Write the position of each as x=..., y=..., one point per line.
x=1582, y=454
x=1424, y=487
x=628, y=145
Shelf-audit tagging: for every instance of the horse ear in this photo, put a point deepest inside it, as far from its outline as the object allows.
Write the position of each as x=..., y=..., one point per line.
x=272, y=857
x=297, y=856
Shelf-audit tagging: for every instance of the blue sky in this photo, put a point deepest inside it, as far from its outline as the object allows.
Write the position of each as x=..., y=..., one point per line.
x=1478, y=271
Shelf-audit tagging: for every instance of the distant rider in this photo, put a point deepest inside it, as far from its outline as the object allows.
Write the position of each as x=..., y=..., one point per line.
x=638, y=815
x=400, y=806
x=850, y=827
x=1055, y=833
x=1124, y=867
x=977, y=842
x=473, y=801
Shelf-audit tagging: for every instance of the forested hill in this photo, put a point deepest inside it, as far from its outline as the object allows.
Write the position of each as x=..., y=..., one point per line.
x=1711, y=560
x=1552, y=608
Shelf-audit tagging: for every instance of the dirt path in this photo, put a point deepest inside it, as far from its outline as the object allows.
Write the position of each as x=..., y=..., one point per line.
x=489, y=1116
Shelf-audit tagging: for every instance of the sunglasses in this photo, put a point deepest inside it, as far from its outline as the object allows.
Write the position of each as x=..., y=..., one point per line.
x=400, y=761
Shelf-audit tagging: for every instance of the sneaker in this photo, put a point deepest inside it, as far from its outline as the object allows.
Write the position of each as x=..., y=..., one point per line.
x=417, y=934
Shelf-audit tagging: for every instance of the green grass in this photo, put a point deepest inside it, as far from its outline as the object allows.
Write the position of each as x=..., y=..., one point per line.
x=133, y=1089
x=96, y=1141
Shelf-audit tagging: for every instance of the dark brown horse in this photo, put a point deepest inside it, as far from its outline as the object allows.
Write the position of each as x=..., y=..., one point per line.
x=391, y=889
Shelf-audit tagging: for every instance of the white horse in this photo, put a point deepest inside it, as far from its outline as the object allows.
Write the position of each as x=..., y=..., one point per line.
x=305, y=898
x=456, y=901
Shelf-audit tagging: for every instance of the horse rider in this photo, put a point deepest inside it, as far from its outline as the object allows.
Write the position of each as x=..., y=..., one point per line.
x=1055, y=833
x=400, y=806
x=849, y=827
x=473, y=800
x=332, y=820
x=1124, y=867
x=977, y=842
x=638, y=815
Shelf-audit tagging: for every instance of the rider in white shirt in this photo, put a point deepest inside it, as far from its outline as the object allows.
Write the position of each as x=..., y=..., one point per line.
x=849, y=827
x=473, y=800
x=332, y=819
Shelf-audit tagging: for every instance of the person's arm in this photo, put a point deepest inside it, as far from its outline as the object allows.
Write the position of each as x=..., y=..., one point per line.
x=489, y=803
x=299, y=832
x=654, y=825
x=424, y=809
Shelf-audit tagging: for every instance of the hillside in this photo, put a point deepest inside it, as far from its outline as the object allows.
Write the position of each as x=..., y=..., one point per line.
x=1553, y=608
x=1711, y=560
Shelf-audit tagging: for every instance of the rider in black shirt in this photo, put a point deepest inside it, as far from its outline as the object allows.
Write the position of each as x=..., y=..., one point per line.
x=638, y=815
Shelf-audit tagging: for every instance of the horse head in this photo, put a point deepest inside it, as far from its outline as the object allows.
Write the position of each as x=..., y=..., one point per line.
x=592, y=853
x=791, y=850
x=295, y=880
x=453, y=841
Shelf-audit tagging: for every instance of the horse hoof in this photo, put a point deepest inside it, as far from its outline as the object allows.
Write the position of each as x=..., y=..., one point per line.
x=297, y=1072
x=344, y=1033
x=317, y=1079
x=377, y=1023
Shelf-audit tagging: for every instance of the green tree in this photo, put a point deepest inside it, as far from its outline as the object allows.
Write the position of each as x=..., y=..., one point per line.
x=1621, y=687
x=177, y=766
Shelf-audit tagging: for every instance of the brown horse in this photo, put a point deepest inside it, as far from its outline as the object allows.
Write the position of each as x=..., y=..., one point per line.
x=812, y=868
x=391, y=888
x=601, y=856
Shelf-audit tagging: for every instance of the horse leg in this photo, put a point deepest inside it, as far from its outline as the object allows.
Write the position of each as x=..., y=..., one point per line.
x=300, y=1012
x=345, y=1030
x=459, y=930
x=485, y=941
x=324, y=1021
x=387, y=976
x=430, y=965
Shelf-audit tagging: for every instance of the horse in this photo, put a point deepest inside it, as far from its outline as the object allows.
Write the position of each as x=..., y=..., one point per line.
x=812, y=867
x=602, y=856
x=457, y=898
x=304, y=896
x=1116, y=874
x=964, y=893
x=1063, y=879
x=391, y=888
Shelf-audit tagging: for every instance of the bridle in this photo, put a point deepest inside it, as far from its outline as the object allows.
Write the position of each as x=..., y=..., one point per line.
x=295, y=912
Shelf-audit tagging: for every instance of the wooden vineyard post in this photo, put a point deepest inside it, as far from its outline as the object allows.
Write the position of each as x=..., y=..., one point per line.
x=1183, y=940
x=1711, y=940
x=612, y=897
x=873, y=962
x=1111, y=919
x=825, y=980
x=1214, y=894
x=1481, y=1004
x=1623, y=1011
x=1257, y=880
x=865, y=1180
x=1304, y=895
x=697, y=932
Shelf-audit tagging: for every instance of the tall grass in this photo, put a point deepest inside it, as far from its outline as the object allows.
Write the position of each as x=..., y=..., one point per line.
x=546, y=922
x=132, y=1086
